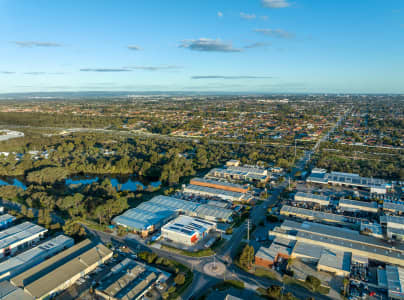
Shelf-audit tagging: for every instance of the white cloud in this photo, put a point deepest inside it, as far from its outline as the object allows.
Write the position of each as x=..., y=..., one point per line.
x=219, y=14
x=155, y=68
x=30, y=44
x=134, y=48
x=247, y=16
x=275, y=3
x=208, y=45
x=279, y=33
x=257, y=45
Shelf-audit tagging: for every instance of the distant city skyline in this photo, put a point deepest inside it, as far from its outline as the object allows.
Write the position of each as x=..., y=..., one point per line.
x=262, y=46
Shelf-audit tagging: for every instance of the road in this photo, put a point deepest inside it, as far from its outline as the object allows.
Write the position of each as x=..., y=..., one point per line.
x=147, y=135
x=202, y=281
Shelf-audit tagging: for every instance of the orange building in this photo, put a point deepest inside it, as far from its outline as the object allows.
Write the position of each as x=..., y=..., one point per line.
x=219, y=185
x=279, y=249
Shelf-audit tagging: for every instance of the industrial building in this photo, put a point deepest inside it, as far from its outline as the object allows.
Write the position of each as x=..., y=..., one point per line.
x=280, y=248
x=204, y=211
x=355, y=206
x=395, y=282
x=22, y=262
x=11, y=292
x=336, y=262
x=373, y=229
x=219, y=185
x=19, y=237
x=374, y=185
x=238, y=173
x=62, y=270
x=394, y=226
x=318, y=216
x=307, y=252
x=187, y=230
x=130, y=280
x=212, y=192
x=152, y=215
x=142, y=221
x=6, y=220
x=340, y=239
x=306, y=197
x=213, y=213
x=396, y=207
x=179, y=205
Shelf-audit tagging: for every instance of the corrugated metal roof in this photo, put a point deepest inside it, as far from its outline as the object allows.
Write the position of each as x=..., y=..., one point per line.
x=62, y=274
x=35, y=255
x=335, y=259
x=344, y=202
x=286, y=209
x=395, y=279
x=18, y=233
x=40, y=270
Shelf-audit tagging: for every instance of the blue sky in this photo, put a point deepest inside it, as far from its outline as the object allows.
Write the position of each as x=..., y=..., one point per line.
x=241, y=45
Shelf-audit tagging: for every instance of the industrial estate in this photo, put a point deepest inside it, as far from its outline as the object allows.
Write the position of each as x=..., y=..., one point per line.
x=202, y=150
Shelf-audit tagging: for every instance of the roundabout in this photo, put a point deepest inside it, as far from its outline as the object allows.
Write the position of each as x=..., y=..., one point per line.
x=214, y=268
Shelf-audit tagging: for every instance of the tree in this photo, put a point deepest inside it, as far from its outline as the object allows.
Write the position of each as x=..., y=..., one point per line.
x=30, y=214
x=47, y=175
x=313, y=282
x=274, y=291
x=179, y=279
x=247, y=256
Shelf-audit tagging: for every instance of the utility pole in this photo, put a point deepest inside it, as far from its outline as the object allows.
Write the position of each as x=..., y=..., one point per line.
x=248, y=241
x=295, y=150
x=248, y=231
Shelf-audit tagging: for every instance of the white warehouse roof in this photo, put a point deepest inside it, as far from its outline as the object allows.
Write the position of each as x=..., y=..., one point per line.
x=18, y=233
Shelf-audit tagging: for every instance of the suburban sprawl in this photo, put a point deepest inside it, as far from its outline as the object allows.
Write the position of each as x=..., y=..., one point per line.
x=202, y=197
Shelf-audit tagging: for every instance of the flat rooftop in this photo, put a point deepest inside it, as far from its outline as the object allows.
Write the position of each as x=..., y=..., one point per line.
x=392, y=219
x=345, y=202
x=374, y=228
x=220, y=183
x=395, y=280
x=39, y=252
x=54, y=262
x=10, y=292
x=336, y=259
x=398, y=207
x=49, y=282
x=309, y=250
x=345, y=178
x=278, y=246
x=312, y=196
x=248, y=169
x=18, y=233
x=207, y=210
x=188, y=226
x=129, y=279
x=286, y=209
x=6, y=218
x=212, y=191
x=336, y=233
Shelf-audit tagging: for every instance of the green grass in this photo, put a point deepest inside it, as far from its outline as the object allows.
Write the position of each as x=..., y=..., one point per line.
x=265, y=273
x=224, y=285
x=292, y=281
x=180, y=289
x=323, y=290
x=201, y=253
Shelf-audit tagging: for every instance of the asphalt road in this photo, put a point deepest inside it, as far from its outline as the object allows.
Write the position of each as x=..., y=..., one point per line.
x=202, y=282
